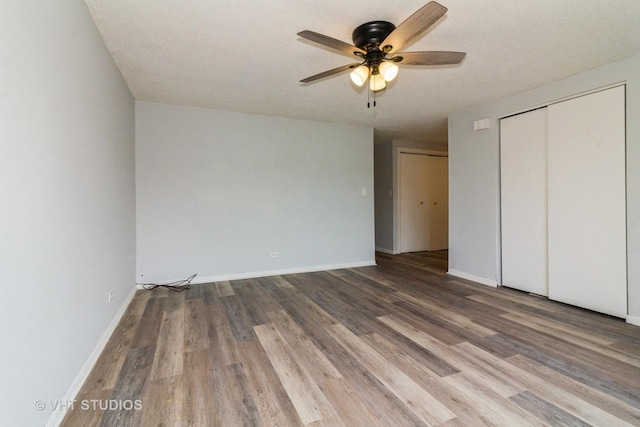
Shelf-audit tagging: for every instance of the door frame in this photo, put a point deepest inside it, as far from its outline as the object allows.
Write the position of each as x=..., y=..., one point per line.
x=396, y=188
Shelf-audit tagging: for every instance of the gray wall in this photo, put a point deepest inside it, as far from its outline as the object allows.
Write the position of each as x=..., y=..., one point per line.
x=386, y=182
x=218, y=191
x=67, y=222
x=384, y=196
x=474, y=162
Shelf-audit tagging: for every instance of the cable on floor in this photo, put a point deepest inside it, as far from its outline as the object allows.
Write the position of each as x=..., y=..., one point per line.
x=177, y=286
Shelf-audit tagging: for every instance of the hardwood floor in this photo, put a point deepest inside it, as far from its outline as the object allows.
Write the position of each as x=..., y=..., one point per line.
x=398, y=344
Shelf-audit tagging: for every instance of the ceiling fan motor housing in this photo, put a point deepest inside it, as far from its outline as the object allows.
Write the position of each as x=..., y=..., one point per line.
x=368, y=36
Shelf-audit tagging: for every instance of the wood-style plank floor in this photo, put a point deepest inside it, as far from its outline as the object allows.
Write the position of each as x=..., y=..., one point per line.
x=398, y=344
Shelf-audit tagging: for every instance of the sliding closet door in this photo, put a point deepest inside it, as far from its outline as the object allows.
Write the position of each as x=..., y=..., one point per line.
x=523, y=201
x=586, y=202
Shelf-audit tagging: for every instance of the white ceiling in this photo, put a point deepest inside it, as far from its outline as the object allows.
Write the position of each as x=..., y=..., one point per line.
x=246, y=57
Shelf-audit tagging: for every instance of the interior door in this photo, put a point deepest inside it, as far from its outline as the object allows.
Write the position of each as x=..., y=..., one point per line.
x=587, y=203
x=438, y=192
x=414, y=202
x=523, y=201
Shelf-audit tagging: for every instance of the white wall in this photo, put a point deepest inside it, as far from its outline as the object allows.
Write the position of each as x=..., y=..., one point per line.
x=473, y=172
x=67, y=222
x=218, y=191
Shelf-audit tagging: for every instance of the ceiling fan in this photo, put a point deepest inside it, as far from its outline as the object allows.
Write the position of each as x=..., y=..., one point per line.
x=377, y=44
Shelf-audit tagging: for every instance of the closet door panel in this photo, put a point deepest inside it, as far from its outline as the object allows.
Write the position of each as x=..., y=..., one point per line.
x=438, y=203
x=586, y=202
x=523, y=181
x=414, y=206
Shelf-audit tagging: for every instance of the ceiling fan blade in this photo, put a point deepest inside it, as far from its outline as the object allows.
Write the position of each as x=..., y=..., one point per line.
x=329, y=73
x=429, y=58
x=331, y=42
x=414, y=25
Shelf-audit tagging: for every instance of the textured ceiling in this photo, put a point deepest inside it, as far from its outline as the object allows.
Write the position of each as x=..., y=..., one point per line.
x=246, y=56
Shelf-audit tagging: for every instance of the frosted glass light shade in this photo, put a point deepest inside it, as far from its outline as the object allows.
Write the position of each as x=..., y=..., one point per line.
x=360, y=75
x=377, y=83
x=388, y=71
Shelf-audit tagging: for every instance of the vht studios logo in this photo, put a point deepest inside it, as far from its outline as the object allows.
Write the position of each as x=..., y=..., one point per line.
x=90, y=405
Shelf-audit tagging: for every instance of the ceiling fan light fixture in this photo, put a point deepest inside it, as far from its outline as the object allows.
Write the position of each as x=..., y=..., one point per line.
x=360, y=75
x=378, y=47
x=388, y=71
x=377, y=83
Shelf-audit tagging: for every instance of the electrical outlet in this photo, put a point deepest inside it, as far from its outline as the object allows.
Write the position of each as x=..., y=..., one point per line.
x=110, y=296
x=274, y=254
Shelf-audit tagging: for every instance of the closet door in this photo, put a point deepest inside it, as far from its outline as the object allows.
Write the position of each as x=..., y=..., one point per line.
x=438, y=203
x=586, y=202
x=414, y=206
x=523, y=201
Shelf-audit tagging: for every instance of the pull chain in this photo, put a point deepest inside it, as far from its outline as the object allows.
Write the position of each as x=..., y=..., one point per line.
x=369, y=92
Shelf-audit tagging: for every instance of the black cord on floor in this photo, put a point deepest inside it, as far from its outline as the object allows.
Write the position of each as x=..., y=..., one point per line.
x=177, y=286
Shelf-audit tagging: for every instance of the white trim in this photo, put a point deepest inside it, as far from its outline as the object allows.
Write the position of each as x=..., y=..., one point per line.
x=57, y=416
x=435, y=153
x=565, y=98
x=473, y=278
x=253, y=275
x=633, y=320
x=385, y=251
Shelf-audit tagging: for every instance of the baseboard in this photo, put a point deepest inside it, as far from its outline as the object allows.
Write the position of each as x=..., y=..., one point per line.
x=267, y=273
x=57, y=416
x=384, y=251
x=634, y=320
x=473, y=278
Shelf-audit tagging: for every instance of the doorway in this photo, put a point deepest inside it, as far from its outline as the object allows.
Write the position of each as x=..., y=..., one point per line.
x=423, y=201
